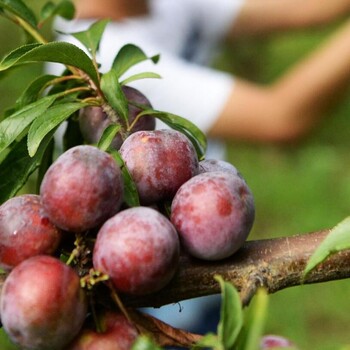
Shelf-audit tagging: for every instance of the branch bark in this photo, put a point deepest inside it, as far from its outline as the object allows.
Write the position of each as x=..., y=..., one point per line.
x=272, y=263
x=275, y=264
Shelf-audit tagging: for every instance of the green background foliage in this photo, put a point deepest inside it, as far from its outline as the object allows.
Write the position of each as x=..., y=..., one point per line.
x=298, y=188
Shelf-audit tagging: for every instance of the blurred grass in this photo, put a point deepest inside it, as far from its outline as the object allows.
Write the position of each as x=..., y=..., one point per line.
x=297, y=189
x=300, y=188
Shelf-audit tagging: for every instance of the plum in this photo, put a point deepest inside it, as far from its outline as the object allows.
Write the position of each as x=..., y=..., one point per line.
x=139, y=249
x=117, y=333
x=208, y=165
x=213, y=213
x=25, y=231
x=275, y=342
x=82, y=189
x=42, y=304
x=93, y=120
x=159, y=162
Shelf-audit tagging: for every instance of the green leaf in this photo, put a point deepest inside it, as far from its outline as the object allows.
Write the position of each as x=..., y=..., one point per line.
x=64, y=9
x=45, y=163
x=5, y=341
x=231, y=315
x=337, y=239
x=18, y=166
x=183, y=125
x=108, y=136
x=128, y=56
x=31, y=93
x=144, y=343
x=115, y=95
x=144, y=75
x=91, y=38
x=20, y=9
x=256, y=320
x=59, y=52
x=209, y=340
x=131, y=196
x=72, y=135
x=48, y=121
x=14, y=125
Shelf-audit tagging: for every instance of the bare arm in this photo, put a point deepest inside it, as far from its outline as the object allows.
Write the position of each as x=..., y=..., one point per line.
x=291, y=106
x=265, y=16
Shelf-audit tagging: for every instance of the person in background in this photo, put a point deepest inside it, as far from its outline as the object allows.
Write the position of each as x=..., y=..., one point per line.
x=187, y=34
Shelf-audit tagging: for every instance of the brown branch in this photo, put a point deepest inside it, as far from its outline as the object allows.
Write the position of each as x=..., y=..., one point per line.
x=273, y=263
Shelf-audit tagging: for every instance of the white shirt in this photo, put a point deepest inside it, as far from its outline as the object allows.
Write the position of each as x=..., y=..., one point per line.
x=186, y=33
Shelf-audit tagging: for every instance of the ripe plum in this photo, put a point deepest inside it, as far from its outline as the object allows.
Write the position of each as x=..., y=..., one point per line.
x=139, y=249
x=117, y=333
x=213, y=213
x=25, y=231
x=42, y=305
x=82, y=189
x=93, y=120
x=160, y=162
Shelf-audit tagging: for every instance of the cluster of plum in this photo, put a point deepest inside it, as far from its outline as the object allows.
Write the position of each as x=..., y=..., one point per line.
x=43, y=305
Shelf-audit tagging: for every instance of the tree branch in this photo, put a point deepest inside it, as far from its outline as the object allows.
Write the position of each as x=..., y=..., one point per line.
x=273, y=263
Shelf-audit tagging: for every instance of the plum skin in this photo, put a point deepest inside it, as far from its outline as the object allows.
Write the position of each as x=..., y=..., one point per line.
x=117, y=333
x=25, y=231
x=82, y=189
x=93, y=120
x=208, y=165
x=139, y=249
x=159, y=162
x=271, y=341
x=213, y=213
x=42, y=304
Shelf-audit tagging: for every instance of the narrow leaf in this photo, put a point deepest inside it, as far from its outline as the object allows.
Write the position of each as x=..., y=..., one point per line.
x=5, y=341
x=114, y=94
x=20, y=9
x=144, y=75
x=231, y=315
x=183, y=125
x=108, y=136
x=128, y=56
x=131, y=196
x=48, y=121
x=144, y=343
x=338, y=239
x=72, y=135
x=209, y=340
x=256, y=321
x=59, y=52
x=31, y=93
x=18, y=166
x=14, y=125
x=91, y=37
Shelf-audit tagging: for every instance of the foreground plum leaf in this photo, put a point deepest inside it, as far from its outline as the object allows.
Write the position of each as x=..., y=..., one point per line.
x=14, y=125
x=18, y=166
x=108, y=136
x=338, y=239
x=131, y=196
x=256, y=319
x=115, y=95
x=53, y=117
x=91, y=38
x=59, y=52
x=144, y=75
x=128, y=56
x=231, y=316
